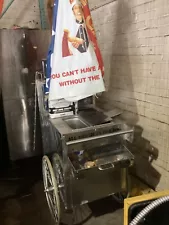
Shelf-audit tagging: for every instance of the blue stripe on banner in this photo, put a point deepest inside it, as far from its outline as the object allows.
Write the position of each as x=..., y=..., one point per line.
x=51, y=47
x=55, y=12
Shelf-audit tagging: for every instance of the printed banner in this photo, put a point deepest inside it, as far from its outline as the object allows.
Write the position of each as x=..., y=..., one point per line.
x=74, y=63
x=92, y=34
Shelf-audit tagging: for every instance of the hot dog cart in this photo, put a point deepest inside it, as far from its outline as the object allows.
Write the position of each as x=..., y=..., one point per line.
x=85, y=153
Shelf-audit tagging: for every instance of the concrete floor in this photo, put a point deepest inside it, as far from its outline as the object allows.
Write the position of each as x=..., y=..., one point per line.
x=32, y=209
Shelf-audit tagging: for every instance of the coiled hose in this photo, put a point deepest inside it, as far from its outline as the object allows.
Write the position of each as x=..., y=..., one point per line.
x=148, y=209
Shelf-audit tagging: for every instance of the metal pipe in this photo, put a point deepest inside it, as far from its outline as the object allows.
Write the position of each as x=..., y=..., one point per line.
x=44, y=22
x=44, y=67
x=99, y=137
x=124, y=176
x=76, y=108
x=6, y=9
x=102, y=5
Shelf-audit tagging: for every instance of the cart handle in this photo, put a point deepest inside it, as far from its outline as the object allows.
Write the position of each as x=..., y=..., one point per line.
x=99, y=137
x=106, y=166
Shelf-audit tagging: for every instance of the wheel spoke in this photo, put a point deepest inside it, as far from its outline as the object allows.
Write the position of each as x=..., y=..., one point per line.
x=45, y=175
x=51, y=189
x=57, y=165
x=49, y=179
x=51, y=202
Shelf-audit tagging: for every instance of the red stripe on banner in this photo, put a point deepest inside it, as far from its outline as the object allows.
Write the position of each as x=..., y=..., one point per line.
x=92, y=34
x=1, y=5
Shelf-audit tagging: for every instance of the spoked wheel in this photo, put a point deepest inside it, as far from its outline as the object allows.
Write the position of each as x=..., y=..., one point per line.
x=58, y=171
x=78, y=214
x=51, y=189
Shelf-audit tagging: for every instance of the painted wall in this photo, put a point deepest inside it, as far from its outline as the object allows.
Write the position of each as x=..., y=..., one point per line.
x=24, y=13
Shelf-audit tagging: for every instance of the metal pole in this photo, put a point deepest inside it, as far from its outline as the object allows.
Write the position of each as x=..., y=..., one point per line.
x=102, y=5
x=44, y=23
x=6, y=9
x=99, y=137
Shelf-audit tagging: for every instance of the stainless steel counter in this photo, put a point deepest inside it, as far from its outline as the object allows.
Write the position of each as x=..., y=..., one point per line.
x=85, y=118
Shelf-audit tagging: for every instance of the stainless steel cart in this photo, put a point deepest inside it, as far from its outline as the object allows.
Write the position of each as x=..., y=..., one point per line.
x=85, y=154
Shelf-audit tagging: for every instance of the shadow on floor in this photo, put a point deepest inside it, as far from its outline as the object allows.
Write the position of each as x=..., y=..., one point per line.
x=104, y=206
x=32, y=209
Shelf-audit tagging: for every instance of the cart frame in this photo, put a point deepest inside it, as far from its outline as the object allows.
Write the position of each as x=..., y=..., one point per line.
x=65, y=185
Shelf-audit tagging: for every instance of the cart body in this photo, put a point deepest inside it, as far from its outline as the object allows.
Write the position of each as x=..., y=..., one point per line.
x=88, y=151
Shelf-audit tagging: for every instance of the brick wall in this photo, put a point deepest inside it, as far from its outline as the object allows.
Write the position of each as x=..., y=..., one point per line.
x=134, y=39
x=24, y=13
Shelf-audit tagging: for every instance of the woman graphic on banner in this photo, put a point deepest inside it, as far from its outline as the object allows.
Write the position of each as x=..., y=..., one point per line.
x=80, y=41
x=73, y=50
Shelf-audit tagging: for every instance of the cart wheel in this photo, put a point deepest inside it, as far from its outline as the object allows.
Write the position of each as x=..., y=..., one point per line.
x=79, y=214
x=51, y=189
x=58, y=171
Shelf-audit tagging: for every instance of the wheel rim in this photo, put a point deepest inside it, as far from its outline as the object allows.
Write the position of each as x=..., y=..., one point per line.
x=51, y=189
x=79, y=213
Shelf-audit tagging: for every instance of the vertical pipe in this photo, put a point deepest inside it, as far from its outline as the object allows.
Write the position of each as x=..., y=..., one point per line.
x=44, y=68
x=124, y=177
x=44, y=23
